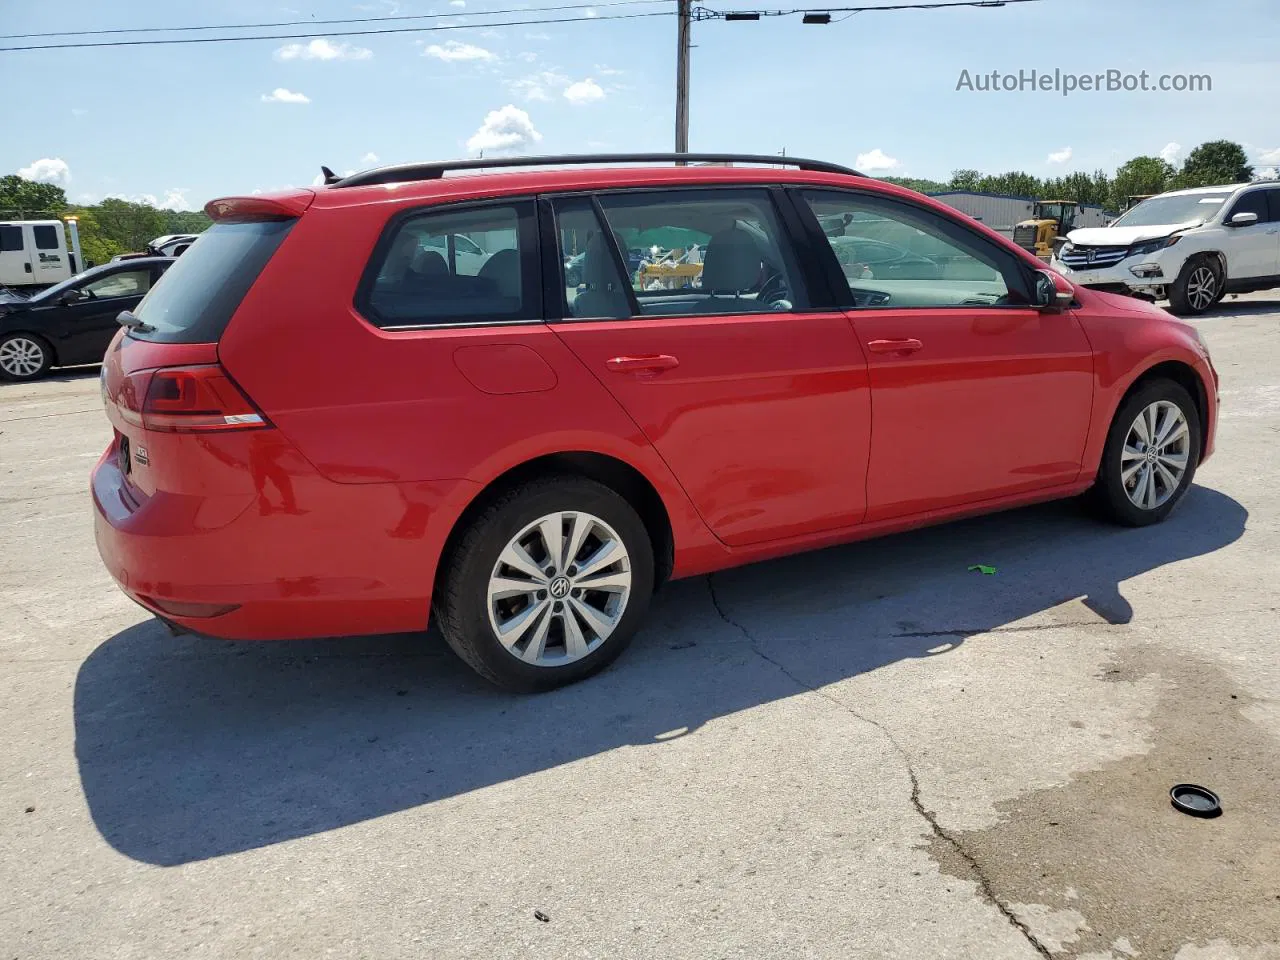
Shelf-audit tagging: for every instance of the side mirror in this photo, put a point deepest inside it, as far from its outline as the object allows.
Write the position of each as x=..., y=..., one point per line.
x=1051, y=292
x=1242, y=219
x=71, y=296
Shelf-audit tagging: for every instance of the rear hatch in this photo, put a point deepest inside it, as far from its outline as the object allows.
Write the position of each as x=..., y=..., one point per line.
x=165, y=393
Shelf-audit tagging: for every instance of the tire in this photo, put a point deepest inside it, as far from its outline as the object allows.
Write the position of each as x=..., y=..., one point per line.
x=23, y=357
x=1198, y=287
x=558, y=641
x=1120, y=493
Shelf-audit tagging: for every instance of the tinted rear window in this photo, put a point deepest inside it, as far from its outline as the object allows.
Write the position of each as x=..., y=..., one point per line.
x=195, y=299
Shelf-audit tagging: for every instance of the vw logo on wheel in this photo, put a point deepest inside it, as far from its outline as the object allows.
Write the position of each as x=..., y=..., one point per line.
x=559, y=588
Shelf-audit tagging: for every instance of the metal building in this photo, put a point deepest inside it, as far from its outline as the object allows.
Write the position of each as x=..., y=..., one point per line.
x=1001, y=211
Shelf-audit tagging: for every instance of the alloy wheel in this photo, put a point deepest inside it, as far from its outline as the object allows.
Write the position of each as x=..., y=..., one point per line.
x=559, y=589
x=1202, y=287
x=1156, y=453
x=21, y=357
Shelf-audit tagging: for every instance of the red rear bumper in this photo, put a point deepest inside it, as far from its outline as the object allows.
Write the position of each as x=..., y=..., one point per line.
x=299, y=556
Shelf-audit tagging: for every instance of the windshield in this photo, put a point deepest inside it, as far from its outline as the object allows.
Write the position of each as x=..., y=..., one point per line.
x=195, y=299
x=1175, y=208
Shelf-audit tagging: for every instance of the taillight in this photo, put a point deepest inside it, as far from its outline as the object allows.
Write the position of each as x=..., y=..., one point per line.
x=195, y=399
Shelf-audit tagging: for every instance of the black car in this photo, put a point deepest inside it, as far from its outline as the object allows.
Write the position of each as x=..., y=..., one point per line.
x=71, y=322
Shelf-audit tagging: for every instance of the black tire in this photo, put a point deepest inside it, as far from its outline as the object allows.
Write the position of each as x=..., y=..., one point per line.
x=1200, y=275
x=1109, y=491
x=12, y=369
x=461, y=605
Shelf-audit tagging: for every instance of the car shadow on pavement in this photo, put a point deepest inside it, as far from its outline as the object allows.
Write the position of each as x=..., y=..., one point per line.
x=1242, y=308
x=193, y=748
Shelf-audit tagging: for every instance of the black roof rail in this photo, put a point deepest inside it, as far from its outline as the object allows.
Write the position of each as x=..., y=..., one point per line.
x=407, y=172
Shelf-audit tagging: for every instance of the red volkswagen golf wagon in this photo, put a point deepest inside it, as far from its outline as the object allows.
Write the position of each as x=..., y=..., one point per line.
x=522, y=399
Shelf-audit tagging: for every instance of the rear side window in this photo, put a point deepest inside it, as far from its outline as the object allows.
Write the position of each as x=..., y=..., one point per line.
x=194, y=300
x=458, y=266
x=10, y=239
x=46, y=237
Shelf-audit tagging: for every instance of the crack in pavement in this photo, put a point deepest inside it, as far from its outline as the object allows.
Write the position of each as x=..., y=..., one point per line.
x=988, y=892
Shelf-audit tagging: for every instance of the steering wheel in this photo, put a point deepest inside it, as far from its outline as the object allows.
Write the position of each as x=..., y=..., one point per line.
x=774, y=288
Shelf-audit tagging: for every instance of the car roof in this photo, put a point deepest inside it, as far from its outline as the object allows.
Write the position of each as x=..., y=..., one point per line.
x=1190, y=191
x=535, y=180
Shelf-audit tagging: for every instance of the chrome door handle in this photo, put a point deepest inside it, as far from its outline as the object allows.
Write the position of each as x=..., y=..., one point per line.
x=643, y=365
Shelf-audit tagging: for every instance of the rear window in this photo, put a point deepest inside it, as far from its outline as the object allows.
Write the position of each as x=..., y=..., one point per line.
x=195, y=299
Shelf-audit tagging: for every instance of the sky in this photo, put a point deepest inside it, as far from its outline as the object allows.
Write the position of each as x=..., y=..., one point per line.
x=887, y=92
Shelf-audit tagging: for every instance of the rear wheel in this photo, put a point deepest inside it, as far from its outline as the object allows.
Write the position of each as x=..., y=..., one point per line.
x=548, y=584
x=1150, y=458
x=1198, y=287
x=24, y=356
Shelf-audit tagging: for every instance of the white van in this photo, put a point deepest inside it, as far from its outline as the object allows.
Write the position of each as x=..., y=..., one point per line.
x=34, y=253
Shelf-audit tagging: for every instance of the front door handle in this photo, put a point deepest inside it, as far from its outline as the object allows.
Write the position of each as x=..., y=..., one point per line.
x=643, y=365
x=895, y=346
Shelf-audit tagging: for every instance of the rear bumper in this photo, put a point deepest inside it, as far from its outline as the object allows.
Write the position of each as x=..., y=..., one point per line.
x=322, y=559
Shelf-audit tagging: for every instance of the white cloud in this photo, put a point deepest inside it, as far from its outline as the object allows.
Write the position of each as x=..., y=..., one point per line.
x=590, y=13
x=322, y=49
x=1170, y=152
x=1269, y=156
x=877, y=159
x=47, y=170
x=175, y=198
x=1269, y=173
x=369, y=157
x=584, y=91
x=318, y=180
x=457, y=3
x=453, y=51
x=537, y=36
x=508, y=128
x=1060, y=156
x=538, y=86
x=78, y=111
x=281, y=95
x=608, y=71
x=528, y=56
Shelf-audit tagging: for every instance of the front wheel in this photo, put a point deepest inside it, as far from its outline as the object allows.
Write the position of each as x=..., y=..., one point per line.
x=1198, y=287
x=24, y=356
x=547, y=585
x=1151, y=455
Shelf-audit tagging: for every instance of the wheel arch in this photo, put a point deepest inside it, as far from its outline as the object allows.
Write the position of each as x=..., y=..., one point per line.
x=620, y=476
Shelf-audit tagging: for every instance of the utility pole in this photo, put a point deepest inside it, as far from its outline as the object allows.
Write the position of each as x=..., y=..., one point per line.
x=684, y=10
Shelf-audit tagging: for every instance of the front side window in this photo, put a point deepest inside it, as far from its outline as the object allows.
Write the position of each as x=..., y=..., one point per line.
x=133, y=283
x=704, y=252
x=46, y=237
x=895, y=255
x=461, y=266
x=1253, y=202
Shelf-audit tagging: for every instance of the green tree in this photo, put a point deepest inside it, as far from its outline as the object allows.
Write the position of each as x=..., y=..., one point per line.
x=130, y=225
x=917, y=184
x=94, y=246
x=1015, y=182
x=1141, y=175
x=1218, y=161
x=22, y=199
x=965, y=179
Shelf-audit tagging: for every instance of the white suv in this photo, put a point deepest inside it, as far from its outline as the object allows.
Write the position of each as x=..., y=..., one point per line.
x=1190, y=246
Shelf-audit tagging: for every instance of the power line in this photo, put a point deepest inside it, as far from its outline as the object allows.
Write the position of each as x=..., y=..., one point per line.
x=321, y=23
x=706, y=13
x=342, y=33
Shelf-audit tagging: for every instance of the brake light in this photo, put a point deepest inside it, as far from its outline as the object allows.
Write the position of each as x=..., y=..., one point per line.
x=195, y=399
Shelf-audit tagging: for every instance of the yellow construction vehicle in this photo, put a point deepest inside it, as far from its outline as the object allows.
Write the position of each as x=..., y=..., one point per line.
x=1050, y=221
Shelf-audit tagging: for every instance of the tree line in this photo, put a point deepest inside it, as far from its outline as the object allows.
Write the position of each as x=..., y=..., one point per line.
x=1218, y=161
x=106, y=229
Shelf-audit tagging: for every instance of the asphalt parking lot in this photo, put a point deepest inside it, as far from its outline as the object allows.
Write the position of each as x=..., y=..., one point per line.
x=865, y=752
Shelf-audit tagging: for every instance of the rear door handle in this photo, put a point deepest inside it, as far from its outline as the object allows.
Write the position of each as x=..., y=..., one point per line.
x=650, y=364
x=895, y=346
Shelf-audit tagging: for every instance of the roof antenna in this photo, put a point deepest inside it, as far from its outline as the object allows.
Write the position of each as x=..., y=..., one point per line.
x=330, y=177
